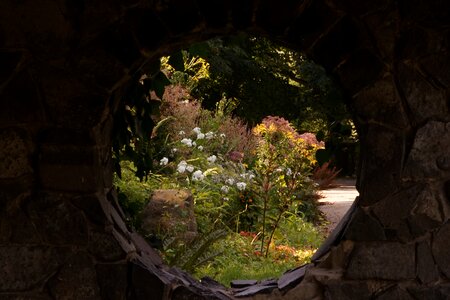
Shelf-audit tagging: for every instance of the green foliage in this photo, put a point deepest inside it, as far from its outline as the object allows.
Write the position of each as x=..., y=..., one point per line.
x=135, y=119
x=296, y=242
x=190, y=256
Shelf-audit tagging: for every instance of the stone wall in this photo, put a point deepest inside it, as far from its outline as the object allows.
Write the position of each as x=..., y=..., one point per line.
x=63, y=66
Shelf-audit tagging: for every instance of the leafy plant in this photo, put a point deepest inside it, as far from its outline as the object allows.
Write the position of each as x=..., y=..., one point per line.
x=325, y=175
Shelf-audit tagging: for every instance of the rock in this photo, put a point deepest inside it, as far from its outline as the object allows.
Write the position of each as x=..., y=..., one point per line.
x=170, y=212
x=382, y=260
x=239, y=283
x=426, y=267
x=440, y=249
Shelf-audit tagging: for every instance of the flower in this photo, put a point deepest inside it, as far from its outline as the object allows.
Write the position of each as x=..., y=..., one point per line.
x=211, y=159
x=225, y=199
x=241, y=186
x=222, y=135
x=279, y=170
x=163, y=161
x=181, y=166
x=200, y=148
x=198, y=175
x=225, y=189
x=288, y=172
x=181, y=169
x=181, y=132
x=197, y=130
x=187, y=142
x=174, y=150
x=200, y=136
x=229, y=181
x=209, y=135
x=194, y=144
x=190, y=168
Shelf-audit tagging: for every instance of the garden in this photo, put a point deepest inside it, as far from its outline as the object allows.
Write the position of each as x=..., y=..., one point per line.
x=252, y=177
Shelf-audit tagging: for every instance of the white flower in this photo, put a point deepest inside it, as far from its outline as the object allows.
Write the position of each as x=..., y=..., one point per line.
x=288, y=172
x=163, y=161
x=229, y=181
x=241, y=186
x=225, y=189
x=181, y=132
x=222, y=135
x=187, y=142
x=200, y=136
x=251, y=176
x=190, y=168
x=211, y=159
x=194, y=144
x=279, y=170
x=174, y=150
x=200, y=148
x=225, y=199
x=181, y=168
x=197, y=130
x=197, y=175
x=182, y=163
x=209, y=135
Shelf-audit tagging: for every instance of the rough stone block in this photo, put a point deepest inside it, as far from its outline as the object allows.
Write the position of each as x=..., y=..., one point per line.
x=104, y=246
x=381, y=103
x=353, y=77
x=424, y=100
x=77, y=279
x=215, y=13
x=58, y=222
x=441, y=242
x=144, y=283
x=15, y=152
x=71, y=178
x=347, y=290
x=113, y=280
x=395, y=208
x=25, y=267
x=426, y=267
x=394, y=293
x=429, y=152
x=363, y=227
x=381, y=164
x=382, y=260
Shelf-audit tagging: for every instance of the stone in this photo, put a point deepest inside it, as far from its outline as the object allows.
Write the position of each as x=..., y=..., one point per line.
x=382, y=166
x=393, y=211
x=435, y=65
x=347, y=290
x=170, y=212
x=20, y=101
x=58, y=222
x=430, y=147
x=354, y=78
x=426, y=267
x=381, y=103
x=104, y=246
x=254, y=289
x=15, y=152
x=394, y=293
x=240, y=283
x=382, y=260
x=113, y=280
x=427, y=213
x=425, y=100
x=145, y=283
x=292, y=277
x=24, y=267
x=145, y=249
x=441, y=240
x=340, y=38
x=363, y=227
x=77, y=279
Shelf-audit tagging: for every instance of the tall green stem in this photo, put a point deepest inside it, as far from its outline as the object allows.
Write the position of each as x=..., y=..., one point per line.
x=272, y=233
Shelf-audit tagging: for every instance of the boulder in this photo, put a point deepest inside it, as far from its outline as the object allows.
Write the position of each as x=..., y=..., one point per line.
x=170, y=213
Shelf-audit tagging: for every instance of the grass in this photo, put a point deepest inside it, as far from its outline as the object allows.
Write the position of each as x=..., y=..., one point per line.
x=240, y=257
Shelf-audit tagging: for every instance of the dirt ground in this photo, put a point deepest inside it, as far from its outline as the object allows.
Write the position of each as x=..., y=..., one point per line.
x=337, y=200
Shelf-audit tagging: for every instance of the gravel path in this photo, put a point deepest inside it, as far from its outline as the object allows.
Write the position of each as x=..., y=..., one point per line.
x=337, y=200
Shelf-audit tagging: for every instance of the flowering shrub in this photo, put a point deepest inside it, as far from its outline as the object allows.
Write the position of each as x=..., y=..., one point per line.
x=283, y=165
